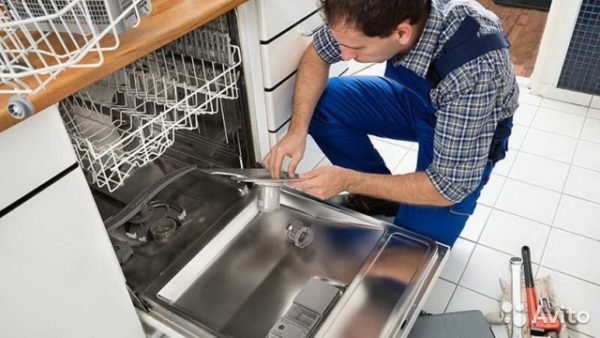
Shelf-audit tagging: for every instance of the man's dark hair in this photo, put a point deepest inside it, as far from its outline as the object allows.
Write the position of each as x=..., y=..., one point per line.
x=374, y=17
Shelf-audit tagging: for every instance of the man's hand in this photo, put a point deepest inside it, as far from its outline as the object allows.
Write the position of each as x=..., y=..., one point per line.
x=291, y=145
x=324, y=182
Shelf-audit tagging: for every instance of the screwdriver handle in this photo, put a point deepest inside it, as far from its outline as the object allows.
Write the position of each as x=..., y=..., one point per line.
x=525, y=252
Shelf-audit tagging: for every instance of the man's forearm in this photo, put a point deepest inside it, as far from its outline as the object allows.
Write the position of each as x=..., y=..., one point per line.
x=311, y=79
x=415, y=188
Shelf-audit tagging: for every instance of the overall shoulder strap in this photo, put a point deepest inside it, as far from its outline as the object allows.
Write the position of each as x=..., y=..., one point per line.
x=463, y=47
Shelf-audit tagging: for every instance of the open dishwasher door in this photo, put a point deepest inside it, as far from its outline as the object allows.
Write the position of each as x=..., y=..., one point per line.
x=308, y=269
x=60, y=277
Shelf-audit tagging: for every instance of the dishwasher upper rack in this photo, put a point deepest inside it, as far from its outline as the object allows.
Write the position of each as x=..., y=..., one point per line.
x=129, y=118
x=41, y=38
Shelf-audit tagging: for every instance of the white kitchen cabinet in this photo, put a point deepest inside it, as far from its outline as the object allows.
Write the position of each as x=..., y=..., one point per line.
x=279, y=100
x=32, y=152
x=60, y=277
x=280, y=57
x=276, y=16
x=281, y=31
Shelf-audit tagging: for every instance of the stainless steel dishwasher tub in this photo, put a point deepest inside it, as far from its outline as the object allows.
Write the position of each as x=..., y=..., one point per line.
x=243, y=278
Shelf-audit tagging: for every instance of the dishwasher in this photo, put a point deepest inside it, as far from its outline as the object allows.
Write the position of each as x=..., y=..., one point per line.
x=201, y=256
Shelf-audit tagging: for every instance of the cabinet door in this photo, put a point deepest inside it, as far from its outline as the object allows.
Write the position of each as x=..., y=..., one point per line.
x=60, y=277
x=275, y=16
x=31, y=153
x=279, y=100
x=280, y=57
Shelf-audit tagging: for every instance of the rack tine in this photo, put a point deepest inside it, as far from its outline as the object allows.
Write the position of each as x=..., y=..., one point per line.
x=130, y=118
x=41, y=38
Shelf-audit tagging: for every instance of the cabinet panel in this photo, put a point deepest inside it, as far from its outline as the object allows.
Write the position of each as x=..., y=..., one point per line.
x=280, y=57
x=277, y=15
x=279, y=101
x=31, y=153
x=60, y=275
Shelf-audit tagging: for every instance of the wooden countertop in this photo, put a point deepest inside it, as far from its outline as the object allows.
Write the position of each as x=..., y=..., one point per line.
x=169, y=20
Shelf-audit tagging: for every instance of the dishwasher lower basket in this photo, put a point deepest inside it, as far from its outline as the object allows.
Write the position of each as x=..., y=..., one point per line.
x=129, y=118
x=41, y=38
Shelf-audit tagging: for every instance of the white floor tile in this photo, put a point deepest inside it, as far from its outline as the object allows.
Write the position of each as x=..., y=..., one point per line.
x=528, y=201
x=587, y=155
x=439, y=297
x=524, y=114
x=564, y=107
x=459, y=256
x=407, y=165
x=404, y=144
x=359, y=68
x=309, y=162
x=572, y=254
x=324, y=162
x=500, y=331
x=530, y=99
x=354, y=66
x=539, y=171
x=376, y=69
x=594, y=113
x=311, y=144
x=578, y=295
x=553, y=146
x=484, y=271
x=523, y=83
x=576, y=334
x=558, y=122
x=508, y=233
x=595, y=102
x=579, y=216
x=490, y=192
x=517, y=136
x=591, y=130
x=503, y=166
x=465, y=300
x=476, y=223
x=584, y=183
x=391, y=153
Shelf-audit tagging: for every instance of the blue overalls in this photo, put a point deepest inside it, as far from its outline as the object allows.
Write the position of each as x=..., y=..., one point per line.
x=398, y=106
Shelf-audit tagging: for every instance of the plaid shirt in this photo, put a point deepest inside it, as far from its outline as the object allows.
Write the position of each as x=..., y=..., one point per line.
x=469, y=101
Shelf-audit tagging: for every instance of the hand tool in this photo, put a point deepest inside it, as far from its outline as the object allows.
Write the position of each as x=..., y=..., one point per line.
x=517, y=307
x=542, y=321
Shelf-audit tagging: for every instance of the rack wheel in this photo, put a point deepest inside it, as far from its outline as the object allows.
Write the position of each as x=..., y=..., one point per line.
x=19, y=107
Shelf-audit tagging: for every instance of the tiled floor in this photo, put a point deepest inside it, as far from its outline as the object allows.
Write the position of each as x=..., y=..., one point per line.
x=546, y=194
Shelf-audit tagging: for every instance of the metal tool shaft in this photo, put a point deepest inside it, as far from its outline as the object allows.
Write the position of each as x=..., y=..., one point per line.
x=518, y=320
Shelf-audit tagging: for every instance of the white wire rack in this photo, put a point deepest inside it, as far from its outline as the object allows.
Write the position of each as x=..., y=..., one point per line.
x=41, y=38
x=129, y=118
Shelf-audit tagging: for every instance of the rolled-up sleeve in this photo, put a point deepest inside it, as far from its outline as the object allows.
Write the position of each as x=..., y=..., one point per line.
x=326, y=45
x=464, y=129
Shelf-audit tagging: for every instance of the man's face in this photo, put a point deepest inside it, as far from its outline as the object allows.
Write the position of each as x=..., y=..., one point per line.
x=359, y=47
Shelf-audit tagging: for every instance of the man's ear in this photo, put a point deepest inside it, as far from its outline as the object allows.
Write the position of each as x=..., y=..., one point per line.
x=404, y=32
